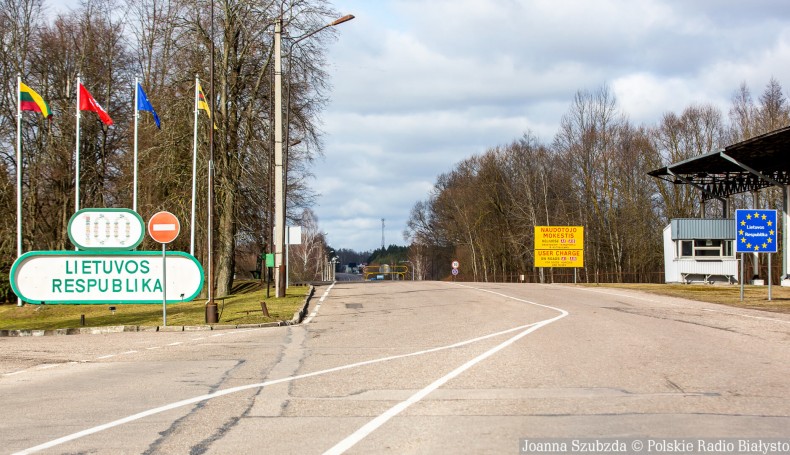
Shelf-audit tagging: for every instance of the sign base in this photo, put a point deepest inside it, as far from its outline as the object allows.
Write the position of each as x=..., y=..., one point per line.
x=211, y=313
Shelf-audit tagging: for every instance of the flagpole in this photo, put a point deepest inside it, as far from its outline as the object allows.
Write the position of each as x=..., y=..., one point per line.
x=194, y=174
x=77, y=156
x=211, y=306
x=18, y=171
x=136, y=117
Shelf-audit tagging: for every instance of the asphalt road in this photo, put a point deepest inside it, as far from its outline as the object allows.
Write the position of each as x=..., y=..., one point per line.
x=348, y=276
x=404, y=367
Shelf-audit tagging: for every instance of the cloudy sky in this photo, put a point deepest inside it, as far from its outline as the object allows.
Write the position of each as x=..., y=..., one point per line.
x=420, y=85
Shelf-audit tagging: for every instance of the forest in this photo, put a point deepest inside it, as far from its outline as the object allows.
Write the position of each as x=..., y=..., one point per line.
x=592, y=174
x=166, y=44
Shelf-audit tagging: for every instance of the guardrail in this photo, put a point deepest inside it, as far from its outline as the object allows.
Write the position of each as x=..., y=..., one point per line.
x=381, y=272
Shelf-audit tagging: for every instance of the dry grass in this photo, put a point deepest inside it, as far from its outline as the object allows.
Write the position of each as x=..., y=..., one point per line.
x=755, y=297
x=242, y=307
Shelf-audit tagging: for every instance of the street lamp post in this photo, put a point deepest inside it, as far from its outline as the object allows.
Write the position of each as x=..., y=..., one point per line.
x=279, y=171
x=334, y=268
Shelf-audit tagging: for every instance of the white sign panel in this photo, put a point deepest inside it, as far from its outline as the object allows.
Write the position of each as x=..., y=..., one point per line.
x=106, y=229
x=293, y=235
x=83, y=277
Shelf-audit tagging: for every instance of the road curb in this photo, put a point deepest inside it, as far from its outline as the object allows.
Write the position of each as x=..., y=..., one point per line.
x=298, y=317
x=132, y=328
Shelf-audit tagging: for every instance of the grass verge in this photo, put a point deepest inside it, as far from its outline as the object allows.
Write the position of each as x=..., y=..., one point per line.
x=241, y=307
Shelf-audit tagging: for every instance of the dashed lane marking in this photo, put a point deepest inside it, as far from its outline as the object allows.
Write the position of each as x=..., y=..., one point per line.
x=318, y=305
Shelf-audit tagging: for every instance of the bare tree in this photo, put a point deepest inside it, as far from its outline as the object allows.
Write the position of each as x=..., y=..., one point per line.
x=307, y=258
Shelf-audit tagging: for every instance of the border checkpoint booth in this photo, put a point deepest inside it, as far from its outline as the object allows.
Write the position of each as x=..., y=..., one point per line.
x=700, y=250
x=748, y=166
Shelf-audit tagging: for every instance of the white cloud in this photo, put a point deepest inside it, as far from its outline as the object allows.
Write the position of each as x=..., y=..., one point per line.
x=419, y=86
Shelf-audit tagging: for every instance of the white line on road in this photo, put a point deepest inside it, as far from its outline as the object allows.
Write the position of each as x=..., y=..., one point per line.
x=108, y=356
x=320, y=301
x=374, y=424
x=220, y=393
x=782, y=321
x=747, y=316
x=629, y=296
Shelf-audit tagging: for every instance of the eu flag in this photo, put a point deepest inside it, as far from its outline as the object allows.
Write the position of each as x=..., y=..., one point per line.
x=756, y=231
x=144, y=105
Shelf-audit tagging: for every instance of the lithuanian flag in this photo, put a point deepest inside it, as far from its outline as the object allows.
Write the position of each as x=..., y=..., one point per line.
x=29, y=100
x=202, y=104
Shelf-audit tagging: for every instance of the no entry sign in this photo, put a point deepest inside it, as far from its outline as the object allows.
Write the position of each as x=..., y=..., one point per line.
x=163, y=227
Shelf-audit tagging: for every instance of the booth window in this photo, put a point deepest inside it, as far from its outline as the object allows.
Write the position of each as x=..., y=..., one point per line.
x=705, y=249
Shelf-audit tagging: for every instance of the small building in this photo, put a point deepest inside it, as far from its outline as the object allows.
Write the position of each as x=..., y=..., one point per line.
x=700, y=250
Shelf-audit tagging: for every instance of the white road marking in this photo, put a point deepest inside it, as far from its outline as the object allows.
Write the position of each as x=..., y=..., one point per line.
x=108, y=356
x=629, y=296
x=42, y=367
x=318, y=306
x=527, y=327
x=374, y=424
x=782, y=321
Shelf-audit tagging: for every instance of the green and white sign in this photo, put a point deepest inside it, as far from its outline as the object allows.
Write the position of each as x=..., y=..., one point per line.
x=86, y=277
x=106, y=229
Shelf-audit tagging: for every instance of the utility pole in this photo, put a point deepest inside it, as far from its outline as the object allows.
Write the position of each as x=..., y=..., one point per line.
x=382, y=235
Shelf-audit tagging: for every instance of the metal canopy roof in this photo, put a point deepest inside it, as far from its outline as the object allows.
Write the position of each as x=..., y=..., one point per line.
x=750, y=165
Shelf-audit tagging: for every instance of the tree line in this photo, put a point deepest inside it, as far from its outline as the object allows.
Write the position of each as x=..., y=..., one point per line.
x=166, y=43
x=592, y=174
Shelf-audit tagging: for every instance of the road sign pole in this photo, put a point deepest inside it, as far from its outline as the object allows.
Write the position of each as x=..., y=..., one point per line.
x=164, y=227
x=164, y=286
x=742, y=265
x=769, y=277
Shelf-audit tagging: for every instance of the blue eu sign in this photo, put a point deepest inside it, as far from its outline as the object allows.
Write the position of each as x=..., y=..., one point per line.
x=755, y=231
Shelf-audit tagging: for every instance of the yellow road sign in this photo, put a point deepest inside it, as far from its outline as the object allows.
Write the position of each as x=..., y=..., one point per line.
x=559, y=258
x=559, y=237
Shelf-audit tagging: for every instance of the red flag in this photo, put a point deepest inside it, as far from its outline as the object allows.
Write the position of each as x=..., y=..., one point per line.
x=87, y=103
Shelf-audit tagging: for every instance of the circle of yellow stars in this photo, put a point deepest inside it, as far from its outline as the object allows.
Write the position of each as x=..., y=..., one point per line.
x=756, y=246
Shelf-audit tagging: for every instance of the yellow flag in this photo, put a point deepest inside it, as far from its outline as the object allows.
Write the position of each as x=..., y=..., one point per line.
x=202, y=104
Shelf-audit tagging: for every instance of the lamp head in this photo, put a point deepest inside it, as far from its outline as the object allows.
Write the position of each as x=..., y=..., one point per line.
x=345, y=18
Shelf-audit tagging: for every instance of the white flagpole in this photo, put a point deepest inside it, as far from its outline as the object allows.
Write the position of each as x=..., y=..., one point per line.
x=194, y=173
x=77, y=156
x=18, y=171
x=134, y=178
